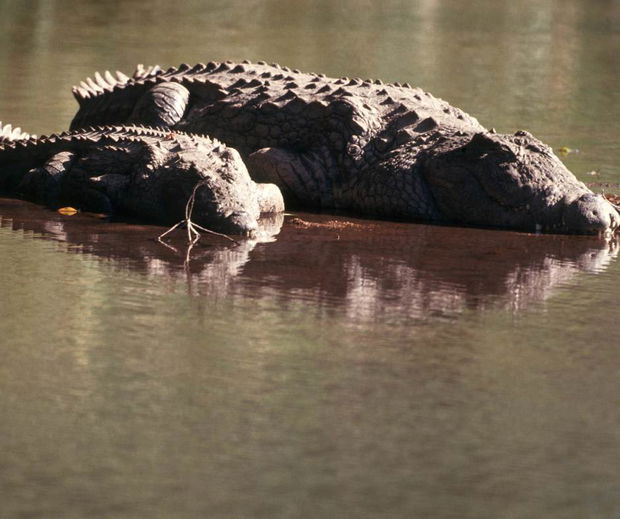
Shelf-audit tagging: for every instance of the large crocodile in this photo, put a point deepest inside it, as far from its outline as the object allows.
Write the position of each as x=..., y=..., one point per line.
x=147, y=173
x=385, y=150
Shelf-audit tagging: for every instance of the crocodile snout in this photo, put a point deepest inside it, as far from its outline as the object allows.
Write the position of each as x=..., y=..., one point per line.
x=591, y=214
x=241, y=223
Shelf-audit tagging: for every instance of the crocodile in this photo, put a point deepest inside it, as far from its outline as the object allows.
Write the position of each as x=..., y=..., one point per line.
x=149, y=174
x=380, y=150
x=9, y=133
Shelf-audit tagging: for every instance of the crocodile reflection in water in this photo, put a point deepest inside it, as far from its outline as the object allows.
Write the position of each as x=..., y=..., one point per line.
x=395, y=272
x=214, y=265
x=368, y=270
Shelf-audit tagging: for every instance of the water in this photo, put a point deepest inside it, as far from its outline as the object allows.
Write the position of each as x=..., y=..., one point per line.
x=337, y=367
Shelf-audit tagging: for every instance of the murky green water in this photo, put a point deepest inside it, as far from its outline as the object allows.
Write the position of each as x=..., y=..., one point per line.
x=356, y=369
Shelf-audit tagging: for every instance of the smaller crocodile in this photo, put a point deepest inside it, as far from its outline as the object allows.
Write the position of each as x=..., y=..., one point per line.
x=138, y=171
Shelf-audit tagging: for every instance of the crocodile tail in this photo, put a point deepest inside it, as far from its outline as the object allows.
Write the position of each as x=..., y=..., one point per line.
x=109, y=98
x=107, y=81
x=9, y=134
x=98, y=84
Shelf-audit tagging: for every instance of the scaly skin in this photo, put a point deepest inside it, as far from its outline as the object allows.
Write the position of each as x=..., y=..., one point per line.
x=388, y=151
x=138, y=171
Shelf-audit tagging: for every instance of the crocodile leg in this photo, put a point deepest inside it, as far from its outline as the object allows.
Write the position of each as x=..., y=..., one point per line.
x=303, y=177
x=60, y=181
x=84, y=195
x=162, y=105
x=43, y=185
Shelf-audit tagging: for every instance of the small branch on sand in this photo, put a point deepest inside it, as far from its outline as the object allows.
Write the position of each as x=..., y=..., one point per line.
x=193, y=234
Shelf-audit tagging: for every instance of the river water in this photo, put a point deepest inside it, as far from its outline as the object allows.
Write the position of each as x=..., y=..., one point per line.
x=334, y=367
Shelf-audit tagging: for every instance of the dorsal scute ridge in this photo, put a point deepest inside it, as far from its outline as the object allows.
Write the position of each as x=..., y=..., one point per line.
x=139, y=72
x=79, y=93
x=102, y=82
x=14, y=139
x=93, y=85
x=121, y=76
x=85, y=86
x=111, y=80
x=152, y=73
x=98, y=95
x=10, y=133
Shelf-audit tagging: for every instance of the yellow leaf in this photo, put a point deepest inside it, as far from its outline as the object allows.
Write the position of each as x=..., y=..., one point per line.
x=68, y=211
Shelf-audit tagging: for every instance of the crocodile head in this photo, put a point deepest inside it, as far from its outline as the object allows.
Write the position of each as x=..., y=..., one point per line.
x=513, y=181
x=225, y=199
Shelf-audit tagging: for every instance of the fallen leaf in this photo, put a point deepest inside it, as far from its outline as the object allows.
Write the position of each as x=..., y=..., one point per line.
x=565, y=150
x=67, y=211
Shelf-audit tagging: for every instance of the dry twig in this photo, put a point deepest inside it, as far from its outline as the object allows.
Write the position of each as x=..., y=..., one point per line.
x=193, y=234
